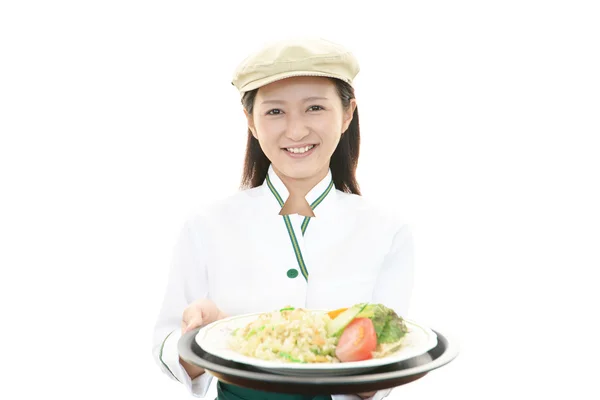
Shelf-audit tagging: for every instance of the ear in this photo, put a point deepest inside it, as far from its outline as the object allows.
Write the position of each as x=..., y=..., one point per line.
x=251, y=123
x=348, y=115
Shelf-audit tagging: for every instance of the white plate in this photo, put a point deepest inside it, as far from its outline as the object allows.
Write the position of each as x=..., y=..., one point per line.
x=213, y=339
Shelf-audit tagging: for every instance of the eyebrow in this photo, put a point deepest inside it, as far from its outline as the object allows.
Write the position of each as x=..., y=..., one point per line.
x=313, y=98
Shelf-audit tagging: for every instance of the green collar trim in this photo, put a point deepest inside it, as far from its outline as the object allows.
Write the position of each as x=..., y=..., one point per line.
x=288, y=223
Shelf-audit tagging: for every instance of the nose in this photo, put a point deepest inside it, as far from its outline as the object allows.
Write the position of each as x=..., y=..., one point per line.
x=296, y=128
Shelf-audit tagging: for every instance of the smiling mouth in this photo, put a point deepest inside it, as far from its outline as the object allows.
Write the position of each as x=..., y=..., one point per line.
x=300, y=150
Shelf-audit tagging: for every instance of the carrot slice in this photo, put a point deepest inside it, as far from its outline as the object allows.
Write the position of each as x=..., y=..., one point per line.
x=335, y=313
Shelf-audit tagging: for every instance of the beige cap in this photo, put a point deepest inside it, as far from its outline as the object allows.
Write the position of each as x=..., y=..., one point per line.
x=295, y=57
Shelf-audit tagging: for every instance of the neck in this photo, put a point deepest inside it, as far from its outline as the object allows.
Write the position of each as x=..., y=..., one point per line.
x=301, y=186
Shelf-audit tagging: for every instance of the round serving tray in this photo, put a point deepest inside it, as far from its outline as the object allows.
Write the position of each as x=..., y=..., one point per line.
x=384, y=377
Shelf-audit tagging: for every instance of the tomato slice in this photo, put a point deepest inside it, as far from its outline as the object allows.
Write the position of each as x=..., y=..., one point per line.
x=357, y=342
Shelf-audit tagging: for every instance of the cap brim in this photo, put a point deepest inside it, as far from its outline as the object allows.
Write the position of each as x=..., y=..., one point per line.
x=277, y=77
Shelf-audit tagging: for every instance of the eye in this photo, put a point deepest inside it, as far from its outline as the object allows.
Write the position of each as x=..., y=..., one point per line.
x=275, y=111
x=315, y=108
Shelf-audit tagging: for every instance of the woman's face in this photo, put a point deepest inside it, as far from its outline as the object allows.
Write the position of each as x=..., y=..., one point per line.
x=298, y=122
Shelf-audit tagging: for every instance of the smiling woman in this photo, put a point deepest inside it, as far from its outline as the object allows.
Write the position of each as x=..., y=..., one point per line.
x=302, y=126
x=300, y=165
x=300, y=135
x=294, y=126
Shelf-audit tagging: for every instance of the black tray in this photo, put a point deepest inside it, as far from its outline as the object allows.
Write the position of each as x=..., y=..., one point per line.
x=384, y=377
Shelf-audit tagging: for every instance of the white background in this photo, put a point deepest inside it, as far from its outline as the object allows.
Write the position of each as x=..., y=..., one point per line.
x=480, y=122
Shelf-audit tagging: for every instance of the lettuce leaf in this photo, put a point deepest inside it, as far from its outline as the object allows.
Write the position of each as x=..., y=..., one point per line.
x=393, y=331
x=389, y=327
x=378, y=314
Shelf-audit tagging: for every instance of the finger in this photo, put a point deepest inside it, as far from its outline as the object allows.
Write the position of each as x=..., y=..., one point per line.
x=183, y=326
x=208, y=310
x=212, y=313
x=222, y=315
x=184, y=320
x=193, y=324
x=366, y=395
x=191, y=311
x=190, y=315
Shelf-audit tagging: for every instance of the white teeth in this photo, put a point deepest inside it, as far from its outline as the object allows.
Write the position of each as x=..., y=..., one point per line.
x=300, y=150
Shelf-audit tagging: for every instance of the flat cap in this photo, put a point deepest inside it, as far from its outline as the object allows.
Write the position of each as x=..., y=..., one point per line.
x=295, y=57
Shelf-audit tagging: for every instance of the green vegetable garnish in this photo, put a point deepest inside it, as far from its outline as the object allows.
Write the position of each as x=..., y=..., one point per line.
x=287, y=309
x=318, y=352
x=389, y=327
x=336, y=326
x=289, y=357
x=254, y=331
x=393, y=331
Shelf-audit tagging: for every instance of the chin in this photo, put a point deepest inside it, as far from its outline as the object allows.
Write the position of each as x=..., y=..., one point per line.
x=298, y=172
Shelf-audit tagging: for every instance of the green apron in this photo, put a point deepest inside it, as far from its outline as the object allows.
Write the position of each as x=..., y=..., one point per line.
x=231, y=392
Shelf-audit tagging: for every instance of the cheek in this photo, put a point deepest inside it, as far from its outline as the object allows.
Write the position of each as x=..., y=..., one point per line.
x=268, y=135
x=329, y=130
x=267, y=130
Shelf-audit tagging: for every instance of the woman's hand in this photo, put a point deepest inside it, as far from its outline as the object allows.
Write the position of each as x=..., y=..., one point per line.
x=367, y=394
x=200, y=312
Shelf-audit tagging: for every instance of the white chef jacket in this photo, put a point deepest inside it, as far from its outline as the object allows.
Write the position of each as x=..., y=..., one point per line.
x=241, y=254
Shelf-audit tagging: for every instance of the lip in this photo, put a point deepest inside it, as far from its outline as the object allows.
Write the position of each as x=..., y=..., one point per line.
x=300, y=155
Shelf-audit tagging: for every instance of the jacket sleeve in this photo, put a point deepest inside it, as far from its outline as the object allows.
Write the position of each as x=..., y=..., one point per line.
x=395, y=281
x=187, y=281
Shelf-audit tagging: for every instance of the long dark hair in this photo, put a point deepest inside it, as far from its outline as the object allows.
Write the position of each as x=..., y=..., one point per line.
x=343, y=161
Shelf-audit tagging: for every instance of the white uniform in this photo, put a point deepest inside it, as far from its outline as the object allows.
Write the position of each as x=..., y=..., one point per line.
x=247, y=258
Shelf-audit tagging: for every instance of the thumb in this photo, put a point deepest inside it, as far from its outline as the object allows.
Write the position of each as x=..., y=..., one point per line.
x=192, y=324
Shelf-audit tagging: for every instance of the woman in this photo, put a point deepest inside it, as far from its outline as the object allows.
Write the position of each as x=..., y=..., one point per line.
x=299, y=233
